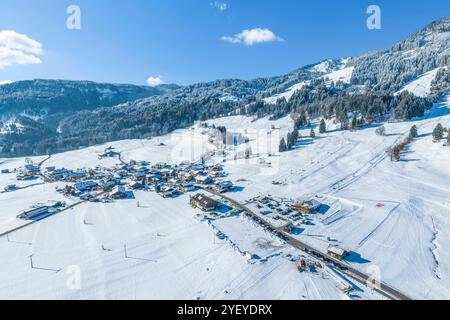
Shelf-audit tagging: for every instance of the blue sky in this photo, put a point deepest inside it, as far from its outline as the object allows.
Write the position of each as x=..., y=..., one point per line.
x=182, y=41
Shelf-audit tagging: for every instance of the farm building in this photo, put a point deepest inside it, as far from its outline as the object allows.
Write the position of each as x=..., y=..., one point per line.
x=25, y=176
x=118, y=192
x=187, y=187
x=74, y=176
x=106, y=185
x=337, y=252
x=134, y=185
x=31, y=168
x=308, y=206
x=203, y=180
x=32, y=213
x=203, y=202
x=168, y=194
x=59, y=174
x=109, y=153
x=224, y=186
x=289, y=228
x=185, y=176
x=85, y=185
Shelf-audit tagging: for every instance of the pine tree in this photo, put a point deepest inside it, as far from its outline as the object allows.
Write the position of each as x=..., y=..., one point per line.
x=344, y=123
x=301, y=121
x=438, y=133
x=294, y=137
x=448, y=138
x=354, y=122
x=322, y=126
x=289, y=142
x=312, y=134
x=282, y=146
x=413, y=132
x=361, y=122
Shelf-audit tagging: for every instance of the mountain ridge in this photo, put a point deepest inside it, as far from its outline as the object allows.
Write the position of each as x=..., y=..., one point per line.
x=315, y=90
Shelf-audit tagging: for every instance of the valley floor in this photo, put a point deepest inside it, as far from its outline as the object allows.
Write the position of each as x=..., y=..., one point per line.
x=392, y=216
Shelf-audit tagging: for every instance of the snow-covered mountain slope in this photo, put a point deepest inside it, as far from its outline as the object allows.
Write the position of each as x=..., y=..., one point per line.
x=421, y=87
x=83, y=113
x=47, y=97
x=391, y=69
x=287, y=94
x=329, y=73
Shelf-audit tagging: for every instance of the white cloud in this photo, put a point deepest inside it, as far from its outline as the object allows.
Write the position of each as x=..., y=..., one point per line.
x=21, y=42
x=2, y=82
x=219, y=5
x=10, y=57
x=155, y=81
x=18, y=49
x=252, y=36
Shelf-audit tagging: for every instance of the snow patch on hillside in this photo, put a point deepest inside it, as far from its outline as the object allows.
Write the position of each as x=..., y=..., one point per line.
x=421, y=86
x=329, y=71
x=344, y=75
x=288, y=93
x=323, y=67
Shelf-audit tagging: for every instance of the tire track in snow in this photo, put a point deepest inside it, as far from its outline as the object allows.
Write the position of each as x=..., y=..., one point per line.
x=370, y=235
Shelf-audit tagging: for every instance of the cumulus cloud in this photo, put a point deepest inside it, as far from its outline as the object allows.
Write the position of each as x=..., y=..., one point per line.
x=219, y=5
x=250, y=37
x=155, y=81
x=18, y=49
x=21, y=42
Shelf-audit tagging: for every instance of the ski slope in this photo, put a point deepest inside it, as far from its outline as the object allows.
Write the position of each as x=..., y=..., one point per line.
x=421, y=86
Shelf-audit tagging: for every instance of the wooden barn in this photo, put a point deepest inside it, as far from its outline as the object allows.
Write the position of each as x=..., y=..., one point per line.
x=203, y=202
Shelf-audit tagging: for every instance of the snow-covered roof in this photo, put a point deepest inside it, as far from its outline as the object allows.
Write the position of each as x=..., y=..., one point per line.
x=336, y=250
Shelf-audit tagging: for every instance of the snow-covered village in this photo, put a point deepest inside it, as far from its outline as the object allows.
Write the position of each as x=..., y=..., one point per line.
x=326, y=183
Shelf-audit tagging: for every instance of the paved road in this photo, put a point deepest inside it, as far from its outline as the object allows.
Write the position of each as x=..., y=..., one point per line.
x=383, y=288
x=43, y=161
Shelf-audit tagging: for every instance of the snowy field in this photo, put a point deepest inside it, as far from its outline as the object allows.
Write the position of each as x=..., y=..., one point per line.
x=170, y=256
x=405, y=237
x=394, y=216
x=249, y=238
